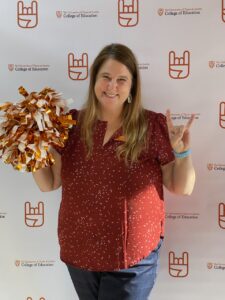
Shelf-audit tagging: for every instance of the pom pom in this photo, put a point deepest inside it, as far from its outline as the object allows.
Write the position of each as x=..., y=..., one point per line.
x=29, y=127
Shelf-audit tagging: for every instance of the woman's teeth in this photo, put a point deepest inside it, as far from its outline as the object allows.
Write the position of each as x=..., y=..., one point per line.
x=110, y=95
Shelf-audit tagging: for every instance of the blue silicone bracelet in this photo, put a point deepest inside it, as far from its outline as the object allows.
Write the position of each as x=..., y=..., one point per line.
x=182, y=154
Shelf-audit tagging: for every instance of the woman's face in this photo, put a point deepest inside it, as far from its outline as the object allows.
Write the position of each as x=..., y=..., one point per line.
x=113, y=85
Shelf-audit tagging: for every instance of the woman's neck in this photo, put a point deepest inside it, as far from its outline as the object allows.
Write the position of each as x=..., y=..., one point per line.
x=111, y=117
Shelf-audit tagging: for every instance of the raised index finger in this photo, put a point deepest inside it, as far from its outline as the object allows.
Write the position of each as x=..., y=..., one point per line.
x=84, y=60
x=34, y=7
x=135, y=6
x=169, y=120
x=186, y=56
x=185, y=258
x=41, y=208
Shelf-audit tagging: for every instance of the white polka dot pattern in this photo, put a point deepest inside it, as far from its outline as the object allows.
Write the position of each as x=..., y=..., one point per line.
x=111, y=216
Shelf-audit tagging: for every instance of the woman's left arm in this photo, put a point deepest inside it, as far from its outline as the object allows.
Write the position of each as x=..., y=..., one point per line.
x=179, y=175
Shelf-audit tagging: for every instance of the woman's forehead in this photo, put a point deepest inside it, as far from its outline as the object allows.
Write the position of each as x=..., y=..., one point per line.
x=112, y=66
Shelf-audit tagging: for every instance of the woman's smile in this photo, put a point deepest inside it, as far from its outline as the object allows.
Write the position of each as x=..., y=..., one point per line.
x=113, y=85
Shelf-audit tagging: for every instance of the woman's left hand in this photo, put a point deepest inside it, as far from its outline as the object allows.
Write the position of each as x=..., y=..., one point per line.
x=179, y=135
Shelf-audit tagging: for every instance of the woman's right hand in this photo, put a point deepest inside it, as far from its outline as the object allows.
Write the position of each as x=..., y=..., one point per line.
x=49, y=178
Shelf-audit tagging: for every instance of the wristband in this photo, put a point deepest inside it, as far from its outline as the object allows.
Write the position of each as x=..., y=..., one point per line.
x=182, y=154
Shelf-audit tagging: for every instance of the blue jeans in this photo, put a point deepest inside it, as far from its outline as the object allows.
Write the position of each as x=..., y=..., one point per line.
x=134, y=283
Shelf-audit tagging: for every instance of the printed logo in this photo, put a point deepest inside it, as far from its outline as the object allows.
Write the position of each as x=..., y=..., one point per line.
x=212, y=64
x=59, y=14
x=2, y=215
x=179, y=11
x=178, y=266
x=216, y=266
x=182, y=216
x=78, y=68
x=128, y=13
x=28, y=68
x=34, y=216
x=17, y=263
x=216, y=64
x=11, y=67
x=221, y=215
x=209, y=265
x=82, y=14
x=210, y=166
x=223, y=10
x=34, y=263
x=215, y=167
x=143, y=66
x=179, y=67
x=27, y=16
x=160, y=11
x=184, y=116
x=222, y=114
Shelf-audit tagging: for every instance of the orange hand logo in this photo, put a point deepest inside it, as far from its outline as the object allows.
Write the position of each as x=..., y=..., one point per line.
x=178, y=266
x=221, y=215
x=11, y=67
x=59, y=14
x=223, y=10
x=78, y=68
x=27, y=16
x=34, y=216
x=210, y=166
x=222, y=115
x=179, y=67
x=128, y=14
x=17, y=263
x=160, y=11
x=209, y=265
x=211, y=64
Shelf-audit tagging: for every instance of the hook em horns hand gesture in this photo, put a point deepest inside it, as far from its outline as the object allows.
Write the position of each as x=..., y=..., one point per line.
x=179, y=135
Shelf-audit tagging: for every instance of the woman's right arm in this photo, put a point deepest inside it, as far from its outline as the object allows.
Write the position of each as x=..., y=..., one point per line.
x=49, y=178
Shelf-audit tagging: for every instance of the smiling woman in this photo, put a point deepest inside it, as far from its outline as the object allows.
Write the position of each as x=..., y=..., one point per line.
x=112, y=89
x=112, y=170
x=113, y=82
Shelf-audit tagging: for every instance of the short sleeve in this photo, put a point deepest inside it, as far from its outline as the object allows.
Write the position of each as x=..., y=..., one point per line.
x=74, y=114
x=163, y=147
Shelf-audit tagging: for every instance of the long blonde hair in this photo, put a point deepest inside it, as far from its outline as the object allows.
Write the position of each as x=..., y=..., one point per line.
x=133, y=115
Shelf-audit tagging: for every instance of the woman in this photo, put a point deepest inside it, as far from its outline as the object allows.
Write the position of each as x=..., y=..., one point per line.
x=112, y=171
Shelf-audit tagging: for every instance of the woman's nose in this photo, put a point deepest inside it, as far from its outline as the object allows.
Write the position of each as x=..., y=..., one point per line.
x=112, y=85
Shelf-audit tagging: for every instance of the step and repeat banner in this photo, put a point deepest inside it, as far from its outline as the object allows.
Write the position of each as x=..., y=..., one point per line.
x=180, y=47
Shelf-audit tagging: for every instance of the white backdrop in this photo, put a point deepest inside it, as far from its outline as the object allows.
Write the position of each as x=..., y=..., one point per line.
x=35, y=47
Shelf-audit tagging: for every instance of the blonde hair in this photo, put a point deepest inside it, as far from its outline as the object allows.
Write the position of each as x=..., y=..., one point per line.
x=134, y=122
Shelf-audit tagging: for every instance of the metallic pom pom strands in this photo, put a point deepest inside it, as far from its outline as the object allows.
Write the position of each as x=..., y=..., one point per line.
x=30, y=126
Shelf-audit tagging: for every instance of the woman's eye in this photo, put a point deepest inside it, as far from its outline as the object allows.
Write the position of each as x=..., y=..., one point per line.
x=122, y=79
x=106, y=77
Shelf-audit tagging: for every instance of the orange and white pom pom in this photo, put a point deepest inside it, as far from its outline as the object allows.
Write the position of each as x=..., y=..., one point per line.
x=30, y=126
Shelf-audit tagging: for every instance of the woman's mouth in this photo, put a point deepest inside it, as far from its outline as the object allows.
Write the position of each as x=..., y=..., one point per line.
x=109, y=95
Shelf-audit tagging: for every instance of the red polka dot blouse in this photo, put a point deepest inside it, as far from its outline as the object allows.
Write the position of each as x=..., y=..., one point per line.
x=112, y=215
